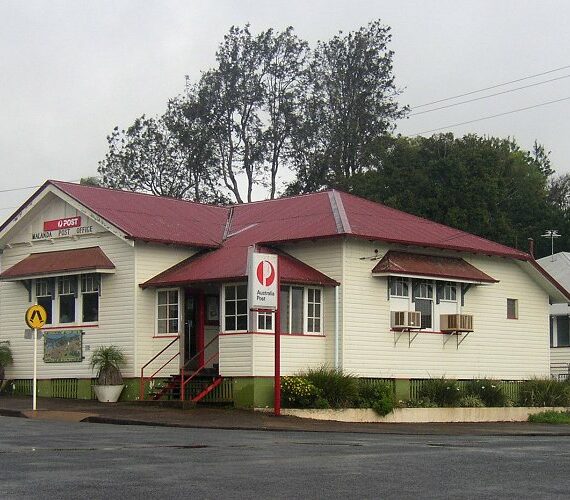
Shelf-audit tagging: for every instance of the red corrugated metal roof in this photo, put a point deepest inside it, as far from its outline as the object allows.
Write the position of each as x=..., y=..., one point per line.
x=317, y=215
x=153, y=218
x=62, y=261
x=230, y=263
x=413, y=264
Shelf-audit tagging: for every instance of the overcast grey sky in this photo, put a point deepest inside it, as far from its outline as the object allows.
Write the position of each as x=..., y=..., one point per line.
x=72, y=70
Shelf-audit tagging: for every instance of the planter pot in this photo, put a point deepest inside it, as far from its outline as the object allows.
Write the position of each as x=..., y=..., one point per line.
x=108, y=393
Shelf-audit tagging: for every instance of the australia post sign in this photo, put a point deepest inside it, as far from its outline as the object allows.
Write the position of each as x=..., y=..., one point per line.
x=263, y=281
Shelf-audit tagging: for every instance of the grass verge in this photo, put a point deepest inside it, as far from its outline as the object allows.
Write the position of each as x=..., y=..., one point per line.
x=550, y=417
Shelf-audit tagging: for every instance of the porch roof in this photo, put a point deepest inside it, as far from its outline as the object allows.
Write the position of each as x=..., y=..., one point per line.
x=230, y=264
x=60, y=262
x=433, y=266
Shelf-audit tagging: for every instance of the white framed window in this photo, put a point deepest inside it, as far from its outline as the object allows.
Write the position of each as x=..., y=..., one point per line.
x=399, y=287
x=264, y=321
x=423, y=290
x=301, y=309
x=66, y=296
x=449, y=292
x=90, y=290
x=168, y=311
x=314, y=310
x=235, y=308
x=45, y=290
x=70, y=299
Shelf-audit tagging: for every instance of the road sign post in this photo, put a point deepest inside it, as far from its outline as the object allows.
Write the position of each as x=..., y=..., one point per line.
x=36, y=317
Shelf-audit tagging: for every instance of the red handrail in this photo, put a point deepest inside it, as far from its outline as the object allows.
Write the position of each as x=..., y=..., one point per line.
x=184, y=381
x=145, y=379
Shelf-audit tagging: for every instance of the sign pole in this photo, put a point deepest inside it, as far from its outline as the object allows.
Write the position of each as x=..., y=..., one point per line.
x=36, y=317
x=34, y=405
x=277, y=381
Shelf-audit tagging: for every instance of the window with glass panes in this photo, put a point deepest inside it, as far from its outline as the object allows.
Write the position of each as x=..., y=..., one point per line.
x=90, y=288
x=67, y=291
x=399, y=287
x=44, y=296
x=314, y=310
x=292, y=310
x=167, y=312
x=235, y=308
x=265, y=321
x=449, y=291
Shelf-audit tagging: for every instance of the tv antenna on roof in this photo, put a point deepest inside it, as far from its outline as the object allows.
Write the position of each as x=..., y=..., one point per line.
x=551, y=233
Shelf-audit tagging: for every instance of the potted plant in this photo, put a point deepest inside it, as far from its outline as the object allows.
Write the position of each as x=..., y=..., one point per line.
x=6, y=359
x=107, y=360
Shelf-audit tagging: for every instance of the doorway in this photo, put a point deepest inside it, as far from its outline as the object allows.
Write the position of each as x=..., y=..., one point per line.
x=193, y=329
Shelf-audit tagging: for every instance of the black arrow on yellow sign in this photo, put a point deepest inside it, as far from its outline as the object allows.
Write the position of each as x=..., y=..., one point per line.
x=36, y=317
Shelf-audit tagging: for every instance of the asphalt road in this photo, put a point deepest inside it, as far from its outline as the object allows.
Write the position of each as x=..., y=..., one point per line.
x=42, y=459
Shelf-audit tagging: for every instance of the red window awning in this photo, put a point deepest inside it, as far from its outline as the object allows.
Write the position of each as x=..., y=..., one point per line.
x=59, y=263
x=396, y=263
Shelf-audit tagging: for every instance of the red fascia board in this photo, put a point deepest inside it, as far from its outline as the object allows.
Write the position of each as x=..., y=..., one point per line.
x=24, y=205
x=543, y=271
x=229, y=279
x=431, y=275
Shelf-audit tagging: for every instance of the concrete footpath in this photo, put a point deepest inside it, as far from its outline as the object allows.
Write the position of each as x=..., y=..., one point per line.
x=144, y=413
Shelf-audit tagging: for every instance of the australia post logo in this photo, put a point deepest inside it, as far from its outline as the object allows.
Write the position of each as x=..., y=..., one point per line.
x=262, y=279
x=265, y=273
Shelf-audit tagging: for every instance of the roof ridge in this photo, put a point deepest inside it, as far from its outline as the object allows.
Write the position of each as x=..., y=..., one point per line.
x=138, y=193
x=246, y=203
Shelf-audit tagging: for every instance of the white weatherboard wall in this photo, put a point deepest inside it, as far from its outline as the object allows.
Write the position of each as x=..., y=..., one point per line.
x=152, y=259
x=115, y=324
x=499, y=348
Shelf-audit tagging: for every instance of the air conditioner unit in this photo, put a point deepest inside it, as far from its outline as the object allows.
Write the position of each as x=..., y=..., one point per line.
x=406, y=319
x=456, y=323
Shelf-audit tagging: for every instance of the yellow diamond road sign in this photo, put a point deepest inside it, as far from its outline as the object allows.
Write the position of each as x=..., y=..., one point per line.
x=36, y=317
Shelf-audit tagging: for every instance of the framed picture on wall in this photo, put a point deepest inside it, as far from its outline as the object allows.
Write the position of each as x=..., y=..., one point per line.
x=212, y=310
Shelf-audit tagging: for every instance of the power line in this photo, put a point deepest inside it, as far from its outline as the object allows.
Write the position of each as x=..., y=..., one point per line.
x=491, y=116
x=487, y=96
x=491, y=87
x=28, y=187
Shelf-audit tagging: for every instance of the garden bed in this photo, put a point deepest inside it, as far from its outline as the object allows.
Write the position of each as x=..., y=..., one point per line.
x=422, y=415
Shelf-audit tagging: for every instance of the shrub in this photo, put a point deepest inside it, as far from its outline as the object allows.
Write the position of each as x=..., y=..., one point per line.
x=107, y=360
x=471, y=401
x=338, y=388
x=440, y=391
x=420, y=403
x=298, y=392
x=377, y=395
x=544, y=392
x=6, y=358
x=550, y=417
x=490, y=392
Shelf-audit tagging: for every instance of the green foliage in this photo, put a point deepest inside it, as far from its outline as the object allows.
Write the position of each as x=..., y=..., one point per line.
x=377, y=395
x=6, y=359
x=489, y=391
x=550, y=417
x=441, y=391
x=484, y=185
x=471, y=401
x=107, y=361
x=338, y=388
x=544, y=392
x=298, y=392
x=420, y=403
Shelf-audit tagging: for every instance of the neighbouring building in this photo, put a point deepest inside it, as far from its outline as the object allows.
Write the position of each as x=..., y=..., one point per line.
x=558, y=266
x=371, y=290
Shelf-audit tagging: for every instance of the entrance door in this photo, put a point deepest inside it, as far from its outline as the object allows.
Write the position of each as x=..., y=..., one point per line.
x=190, y=317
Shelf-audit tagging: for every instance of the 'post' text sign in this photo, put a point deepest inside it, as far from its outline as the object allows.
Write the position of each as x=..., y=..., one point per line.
x=263, y=281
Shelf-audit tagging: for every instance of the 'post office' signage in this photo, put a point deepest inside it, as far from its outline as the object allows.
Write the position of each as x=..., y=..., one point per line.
x=263, y=281
x=60, y=228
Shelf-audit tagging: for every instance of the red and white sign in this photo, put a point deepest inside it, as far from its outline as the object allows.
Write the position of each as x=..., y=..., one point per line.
x=54, y=225
x=263, y=281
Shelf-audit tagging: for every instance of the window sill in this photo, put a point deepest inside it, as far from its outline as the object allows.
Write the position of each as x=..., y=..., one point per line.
x=166, y=336
x=273, y=333
x=67, y=326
